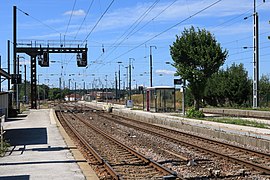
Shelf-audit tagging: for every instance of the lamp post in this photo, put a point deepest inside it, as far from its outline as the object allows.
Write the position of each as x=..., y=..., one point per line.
x=151, y=66
x=130, y=76
x=119, y=83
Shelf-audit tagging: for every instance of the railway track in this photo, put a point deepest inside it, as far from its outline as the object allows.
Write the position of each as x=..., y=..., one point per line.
x=120, y=161
x=249, y=158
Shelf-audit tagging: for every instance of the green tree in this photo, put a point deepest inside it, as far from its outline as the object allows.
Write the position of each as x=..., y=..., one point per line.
x=238, y=86
x=231, y=86
x=215, y=89
x=55, y=94
x=264, y=90
x=197, y=55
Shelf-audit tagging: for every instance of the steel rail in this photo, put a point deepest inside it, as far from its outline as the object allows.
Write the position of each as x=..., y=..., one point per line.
x=258, y=167
x=137, y=154
x=198, y=137
x=168, y=173
x=93, y=152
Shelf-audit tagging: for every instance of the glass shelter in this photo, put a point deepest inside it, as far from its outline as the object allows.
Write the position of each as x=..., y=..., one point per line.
x=159, y=99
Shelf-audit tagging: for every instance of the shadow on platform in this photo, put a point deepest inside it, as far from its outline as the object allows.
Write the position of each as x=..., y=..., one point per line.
x=19, y=177
x=19, y=117
x=28, y=136
x=13, y=119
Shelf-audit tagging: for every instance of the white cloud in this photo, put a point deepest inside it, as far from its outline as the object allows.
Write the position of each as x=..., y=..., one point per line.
x=164, y=71
x=79, y=12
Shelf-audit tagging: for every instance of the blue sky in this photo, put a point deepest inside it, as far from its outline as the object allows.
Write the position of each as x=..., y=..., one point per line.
x=126, y=31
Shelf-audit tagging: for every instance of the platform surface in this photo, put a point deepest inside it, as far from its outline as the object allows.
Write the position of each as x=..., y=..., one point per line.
x=38, y=150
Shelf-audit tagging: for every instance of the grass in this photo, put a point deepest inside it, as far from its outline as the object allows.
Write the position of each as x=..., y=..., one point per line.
x=137, y=108
x=243, y=108
x=237, y=121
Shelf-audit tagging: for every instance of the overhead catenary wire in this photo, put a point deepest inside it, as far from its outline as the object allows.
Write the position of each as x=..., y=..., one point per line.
x=98, y=20
x=246, y=12
x=147, y=11
x=103, y=14
x=162, y=11
x=177, y=24
x=50, y=27
x=130, y=29
x=167, y=7
x=88, y=10
x=71, y=14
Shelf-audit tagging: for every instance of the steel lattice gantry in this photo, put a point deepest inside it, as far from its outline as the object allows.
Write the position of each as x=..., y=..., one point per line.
x=33, y=52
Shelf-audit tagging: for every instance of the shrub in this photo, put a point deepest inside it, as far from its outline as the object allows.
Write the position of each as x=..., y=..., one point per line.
x=192, y=113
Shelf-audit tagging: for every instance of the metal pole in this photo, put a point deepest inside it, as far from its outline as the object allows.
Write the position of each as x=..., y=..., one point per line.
x=83, y=87
x=43, y=92
x=17, y=86
x=119, y=83
x=116, y=93
x=129, y=78
x=8, y=58
x=60, y=85
x=25, y=83
x=14, y=47
x=183, y=97
x=106, y=89
x=256, y=59
x=38, y=92
x=33, y=82
x=69, y=89
x=151, y=66
x=75, y=91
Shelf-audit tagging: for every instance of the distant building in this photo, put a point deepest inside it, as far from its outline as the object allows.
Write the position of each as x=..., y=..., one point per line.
x=71, y=97
x=99, y=96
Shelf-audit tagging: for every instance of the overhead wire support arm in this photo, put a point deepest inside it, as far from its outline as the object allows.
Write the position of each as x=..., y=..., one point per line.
x=42, y=51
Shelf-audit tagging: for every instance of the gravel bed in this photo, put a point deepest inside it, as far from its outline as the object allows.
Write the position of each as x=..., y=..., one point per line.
x=125, y=163
x=165, y=152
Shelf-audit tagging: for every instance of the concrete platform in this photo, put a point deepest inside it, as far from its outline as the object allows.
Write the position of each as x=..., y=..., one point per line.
x=245, y=135
x=38, y=150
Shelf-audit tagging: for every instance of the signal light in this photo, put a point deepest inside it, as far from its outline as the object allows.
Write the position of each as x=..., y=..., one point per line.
x=16, y=78
x=43, y=60
x=82, y=61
